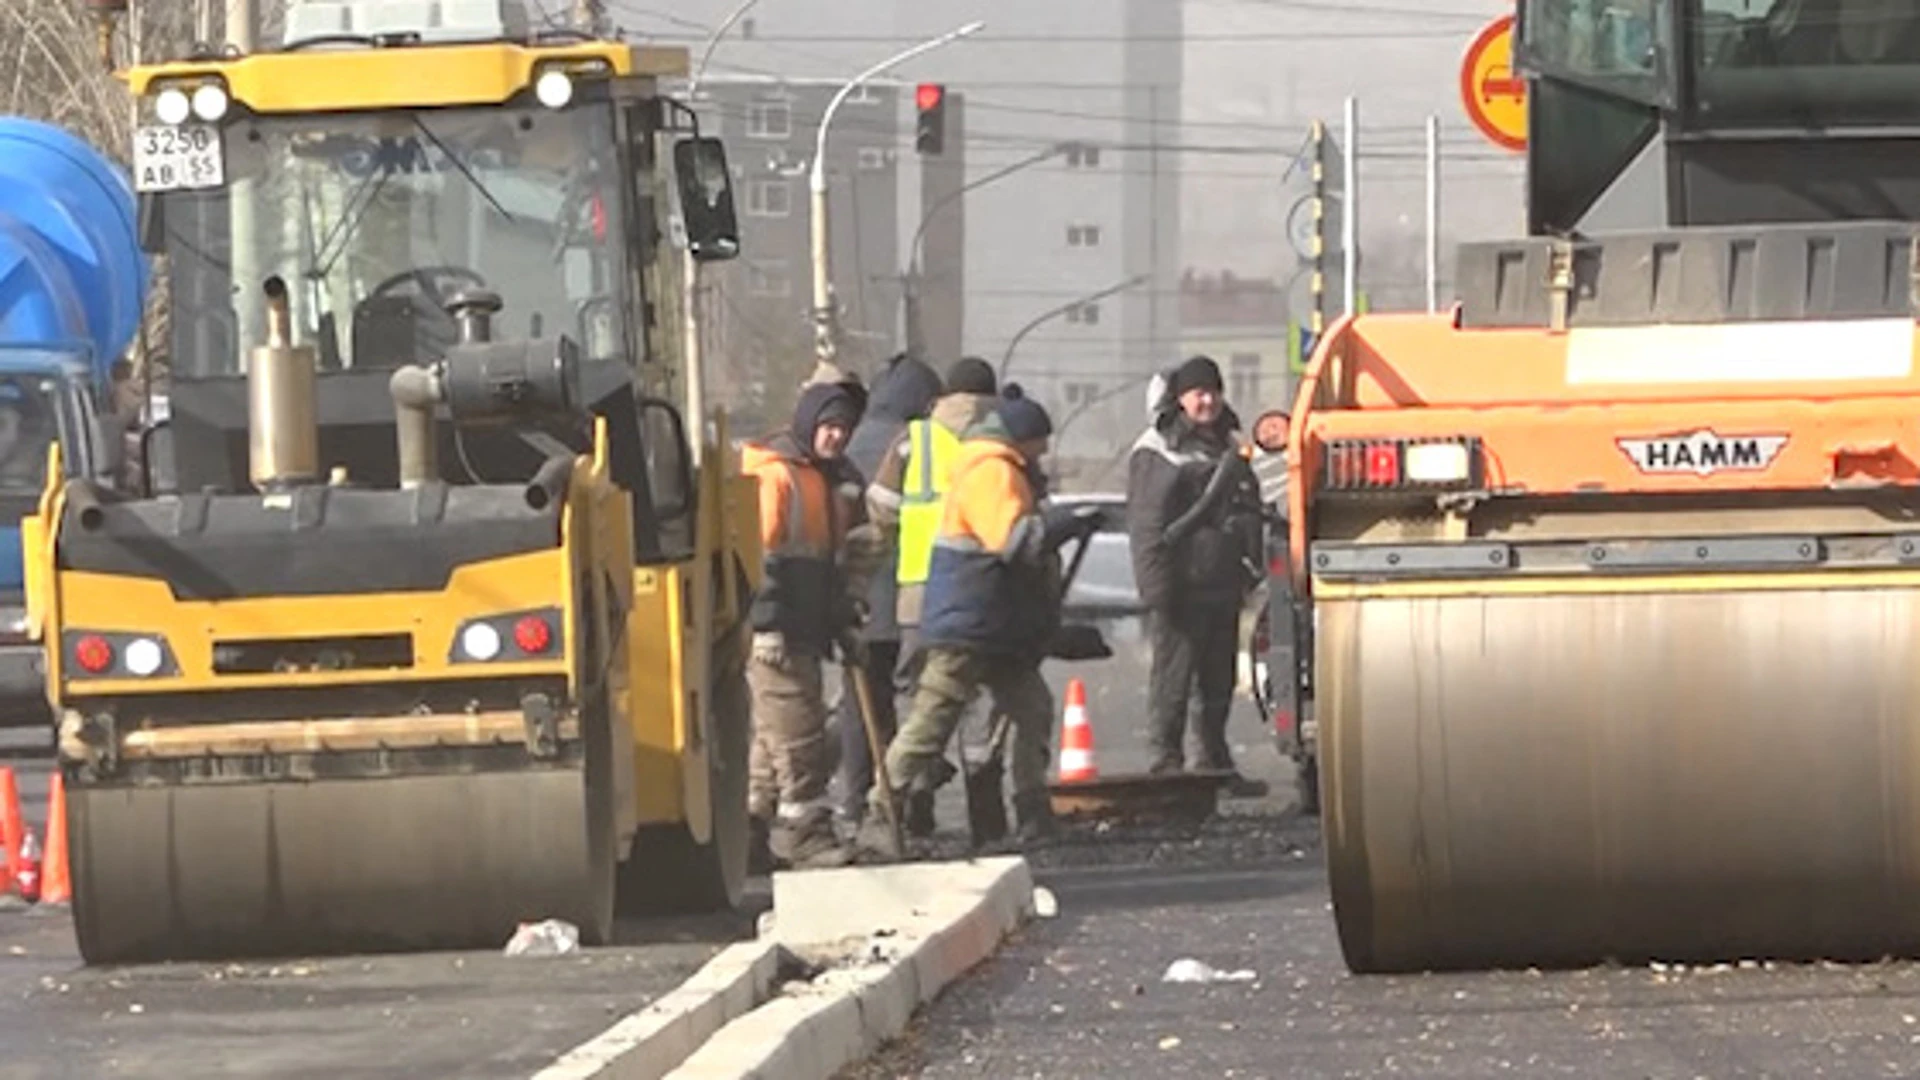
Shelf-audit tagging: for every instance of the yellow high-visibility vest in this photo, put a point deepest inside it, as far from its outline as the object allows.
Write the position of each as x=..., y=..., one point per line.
x=923, y=493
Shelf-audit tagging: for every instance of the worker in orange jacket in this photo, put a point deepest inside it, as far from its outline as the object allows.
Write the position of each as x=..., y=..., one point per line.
x=806, y=602
x=991, y=607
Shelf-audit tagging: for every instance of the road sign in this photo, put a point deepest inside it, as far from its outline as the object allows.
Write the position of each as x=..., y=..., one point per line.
x=1494, y=94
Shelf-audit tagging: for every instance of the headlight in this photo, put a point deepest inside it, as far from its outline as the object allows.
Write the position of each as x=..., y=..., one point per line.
x=172, y=106
x=480, y=641
x=210, y=102
x=554, y=89
x=143, y=657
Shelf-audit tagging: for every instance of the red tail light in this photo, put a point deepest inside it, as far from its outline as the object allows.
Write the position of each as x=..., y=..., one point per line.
x=532, y=634
x=93, y=653
x=1423, y=464
x=1282, y=720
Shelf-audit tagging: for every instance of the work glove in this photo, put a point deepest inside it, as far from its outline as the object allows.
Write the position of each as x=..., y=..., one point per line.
x=770, y=648
x=1064, y=523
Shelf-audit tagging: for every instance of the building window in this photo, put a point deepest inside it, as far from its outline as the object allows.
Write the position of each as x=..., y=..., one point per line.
x=1083, y=236
x=1080, y=393
x=1084, y=314
x=747, y=27
x=769, y=198
x=769, y=278
x=1080, y=156
x=769, y=119
x=1243, y=378
x=873, y=158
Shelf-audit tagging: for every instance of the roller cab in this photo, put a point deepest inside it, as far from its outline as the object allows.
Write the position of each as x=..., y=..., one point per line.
x=434, y=627
x=1616, y=567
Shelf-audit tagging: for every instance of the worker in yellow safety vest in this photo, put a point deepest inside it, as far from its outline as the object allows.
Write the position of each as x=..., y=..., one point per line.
x=905, y=498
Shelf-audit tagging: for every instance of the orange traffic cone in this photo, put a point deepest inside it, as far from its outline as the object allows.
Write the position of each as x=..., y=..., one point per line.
x=12, y=829
x=56, y=879
x=1076, y=738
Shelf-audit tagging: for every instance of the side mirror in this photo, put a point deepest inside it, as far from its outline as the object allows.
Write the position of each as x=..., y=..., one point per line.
x=1270, y=431
x=669, y=458
x=706, y=198
x=151, y=223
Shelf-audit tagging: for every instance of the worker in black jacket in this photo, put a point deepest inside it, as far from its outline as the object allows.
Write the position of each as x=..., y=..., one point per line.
x=903, y=392
x=1193, y=522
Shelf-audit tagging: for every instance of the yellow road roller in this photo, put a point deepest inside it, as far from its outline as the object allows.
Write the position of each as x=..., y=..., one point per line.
x=427, y=619
x=1616, y=565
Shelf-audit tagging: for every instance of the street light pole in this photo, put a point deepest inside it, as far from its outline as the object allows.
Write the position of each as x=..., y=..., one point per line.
x=823, y=320
x=916, y=337
x=1007, y=360
x=696, y=403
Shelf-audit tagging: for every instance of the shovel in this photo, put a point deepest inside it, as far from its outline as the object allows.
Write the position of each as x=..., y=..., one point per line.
x=986, y=796
x=855, y=653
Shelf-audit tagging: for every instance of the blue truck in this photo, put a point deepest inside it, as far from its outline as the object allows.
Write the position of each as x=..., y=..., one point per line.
x=73, y=286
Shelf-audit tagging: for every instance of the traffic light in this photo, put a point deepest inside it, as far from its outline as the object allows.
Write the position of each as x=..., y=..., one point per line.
x=930, y=136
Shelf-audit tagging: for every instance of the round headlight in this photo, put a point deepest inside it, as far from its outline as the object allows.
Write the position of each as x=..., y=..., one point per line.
x=480, y=642
x=143, y=656
x=210, y=102
x=554, y=89
x=172, y=106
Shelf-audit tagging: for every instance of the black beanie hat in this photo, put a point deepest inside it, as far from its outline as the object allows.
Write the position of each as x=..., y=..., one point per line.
x=1198, y=373
x=971, y=375
x=1024, y=419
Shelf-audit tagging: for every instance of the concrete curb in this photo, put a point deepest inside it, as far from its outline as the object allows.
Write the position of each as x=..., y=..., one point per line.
x=650, y=1043
x=938, y=920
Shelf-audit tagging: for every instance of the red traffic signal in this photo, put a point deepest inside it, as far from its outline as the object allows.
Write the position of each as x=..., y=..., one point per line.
x=930, y=134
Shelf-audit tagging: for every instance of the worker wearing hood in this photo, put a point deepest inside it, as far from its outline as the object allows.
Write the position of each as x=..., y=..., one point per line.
x=801, y=609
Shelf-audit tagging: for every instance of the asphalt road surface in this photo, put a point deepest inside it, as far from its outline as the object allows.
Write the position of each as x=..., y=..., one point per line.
x=451, y=1014
x=467, y=1014
x=1083, y=995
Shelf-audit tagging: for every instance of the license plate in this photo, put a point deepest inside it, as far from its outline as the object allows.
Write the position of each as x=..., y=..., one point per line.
x=189, y=157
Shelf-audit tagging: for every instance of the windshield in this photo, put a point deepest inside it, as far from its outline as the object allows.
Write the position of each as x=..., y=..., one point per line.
x=375, y=221
x=30, y=420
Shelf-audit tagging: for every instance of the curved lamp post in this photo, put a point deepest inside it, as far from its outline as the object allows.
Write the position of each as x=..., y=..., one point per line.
x=823, y=322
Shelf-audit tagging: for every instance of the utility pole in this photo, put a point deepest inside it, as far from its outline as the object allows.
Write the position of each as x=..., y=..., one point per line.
x=1433, y=214
x=1350, y=212
x=1317, y=318
x=823, y=313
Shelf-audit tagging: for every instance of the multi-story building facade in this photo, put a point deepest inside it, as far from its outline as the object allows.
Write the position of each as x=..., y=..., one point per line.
x=1087, y=92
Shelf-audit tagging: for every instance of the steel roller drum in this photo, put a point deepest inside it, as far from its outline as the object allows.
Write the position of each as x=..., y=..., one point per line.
x=212, y=871
x=1563, y=780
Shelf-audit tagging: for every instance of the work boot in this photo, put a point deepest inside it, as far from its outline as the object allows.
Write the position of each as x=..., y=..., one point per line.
x=810, y=843
x=919, y=823
x=1033, y=815
x=759, y=847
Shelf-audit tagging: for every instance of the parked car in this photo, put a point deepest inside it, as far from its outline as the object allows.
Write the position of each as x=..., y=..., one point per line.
x=1104, y=587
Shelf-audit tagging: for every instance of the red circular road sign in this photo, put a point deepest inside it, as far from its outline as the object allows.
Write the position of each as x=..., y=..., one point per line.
x=1494, y=94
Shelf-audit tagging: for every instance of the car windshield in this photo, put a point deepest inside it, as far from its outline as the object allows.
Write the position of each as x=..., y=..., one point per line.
x=374, y=221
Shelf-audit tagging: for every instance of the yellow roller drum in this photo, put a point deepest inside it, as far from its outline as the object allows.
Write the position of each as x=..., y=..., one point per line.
x=1529, y=774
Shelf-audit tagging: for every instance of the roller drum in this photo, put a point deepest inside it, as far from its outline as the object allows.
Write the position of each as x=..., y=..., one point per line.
x=1563, y=780
x=221, y=870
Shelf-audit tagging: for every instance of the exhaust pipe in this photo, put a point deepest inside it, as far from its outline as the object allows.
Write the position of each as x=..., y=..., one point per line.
x=283, y=431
